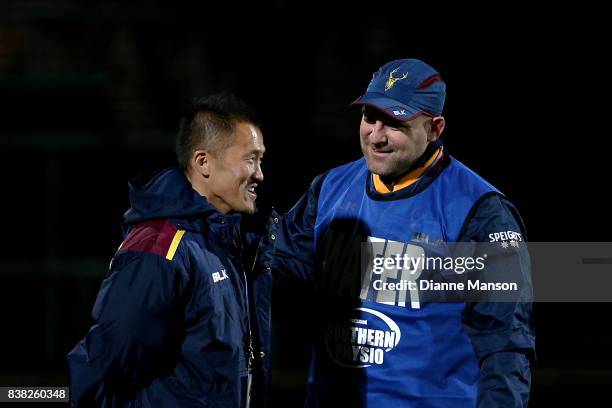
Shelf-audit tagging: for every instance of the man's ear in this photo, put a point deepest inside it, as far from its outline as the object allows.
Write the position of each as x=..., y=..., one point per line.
x=436, y=128
x=200, y=161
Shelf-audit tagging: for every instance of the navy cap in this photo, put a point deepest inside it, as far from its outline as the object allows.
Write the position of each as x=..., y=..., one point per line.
x=405, y=88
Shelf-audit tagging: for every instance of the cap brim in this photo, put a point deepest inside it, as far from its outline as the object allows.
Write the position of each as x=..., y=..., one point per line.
x=391, y=107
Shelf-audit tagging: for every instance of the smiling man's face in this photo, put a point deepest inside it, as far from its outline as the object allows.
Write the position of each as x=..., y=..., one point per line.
x=236, y=171
x=390, y=146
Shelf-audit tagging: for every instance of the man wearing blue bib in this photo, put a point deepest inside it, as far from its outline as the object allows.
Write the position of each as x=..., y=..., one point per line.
x=406, y=197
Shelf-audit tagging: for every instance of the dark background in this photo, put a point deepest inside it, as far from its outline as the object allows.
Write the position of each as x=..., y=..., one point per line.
x=91, y=93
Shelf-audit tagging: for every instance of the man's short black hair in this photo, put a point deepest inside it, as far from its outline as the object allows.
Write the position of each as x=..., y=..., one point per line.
x=210, y=123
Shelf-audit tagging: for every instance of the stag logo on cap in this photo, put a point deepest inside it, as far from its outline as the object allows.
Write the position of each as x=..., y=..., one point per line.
x=392, y=80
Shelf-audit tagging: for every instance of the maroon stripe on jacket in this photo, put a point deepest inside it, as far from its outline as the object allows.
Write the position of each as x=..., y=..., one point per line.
x=152, y=236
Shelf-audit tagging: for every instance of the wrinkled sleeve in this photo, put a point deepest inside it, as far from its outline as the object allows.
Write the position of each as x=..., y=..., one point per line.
x=295, y=253
x=502, y=333
x=133, y=339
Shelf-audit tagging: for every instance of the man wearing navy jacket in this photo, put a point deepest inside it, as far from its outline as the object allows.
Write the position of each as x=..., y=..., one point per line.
x=409, y=197
x=182, y=318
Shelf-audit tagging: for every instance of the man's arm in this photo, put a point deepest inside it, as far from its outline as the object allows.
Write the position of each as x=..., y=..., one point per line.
x=295, y=252
x=133, y=340
x=502, y=333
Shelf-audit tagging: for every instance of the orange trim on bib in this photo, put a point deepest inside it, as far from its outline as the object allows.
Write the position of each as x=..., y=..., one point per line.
x=406, y=181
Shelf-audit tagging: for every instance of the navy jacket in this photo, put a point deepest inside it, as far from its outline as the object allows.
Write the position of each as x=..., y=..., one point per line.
x=173, y=326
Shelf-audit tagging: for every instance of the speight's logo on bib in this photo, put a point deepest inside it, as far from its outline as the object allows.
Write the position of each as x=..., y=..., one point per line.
x=363, y=341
